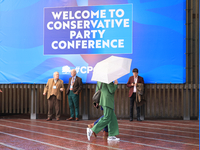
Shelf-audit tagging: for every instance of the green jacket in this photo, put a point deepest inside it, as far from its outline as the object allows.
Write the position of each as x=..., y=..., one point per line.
x=107, y=94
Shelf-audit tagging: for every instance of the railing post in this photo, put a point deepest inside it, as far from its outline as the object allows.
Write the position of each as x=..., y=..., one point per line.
x=186, y=104
x=33, y=114
x=85, y=105
x=142, y=113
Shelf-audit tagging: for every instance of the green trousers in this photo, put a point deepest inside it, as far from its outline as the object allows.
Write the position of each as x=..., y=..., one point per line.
x=109, y=119
x=73, y=102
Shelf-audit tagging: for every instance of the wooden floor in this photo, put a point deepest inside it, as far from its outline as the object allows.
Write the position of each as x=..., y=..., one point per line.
x=54, y=135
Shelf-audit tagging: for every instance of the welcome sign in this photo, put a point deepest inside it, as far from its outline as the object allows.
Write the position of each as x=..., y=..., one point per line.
x=88, y=30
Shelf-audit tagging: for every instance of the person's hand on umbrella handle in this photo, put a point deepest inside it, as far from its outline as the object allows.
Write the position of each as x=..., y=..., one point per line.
x=115, y=82
x=0, y=90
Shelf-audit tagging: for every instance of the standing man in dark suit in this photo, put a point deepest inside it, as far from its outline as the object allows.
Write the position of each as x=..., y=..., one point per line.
x=53, y=89
x=73, y=90
x=132, y=83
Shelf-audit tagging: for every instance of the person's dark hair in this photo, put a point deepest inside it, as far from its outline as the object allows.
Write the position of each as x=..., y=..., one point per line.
x=135, y=70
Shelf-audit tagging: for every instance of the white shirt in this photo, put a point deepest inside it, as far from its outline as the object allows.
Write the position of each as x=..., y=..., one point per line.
x=71, y=87
x=134, y=88
x=55, y=80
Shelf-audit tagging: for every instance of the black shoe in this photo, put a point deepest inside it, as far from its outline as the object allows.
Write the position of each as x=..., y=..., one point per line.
x=138, y=119
x=131, y=119
x=48, y=119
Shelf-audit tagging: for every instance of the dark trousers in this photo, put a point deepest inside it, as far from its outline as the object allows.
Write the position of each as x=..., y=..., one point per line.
x=132, y=99
x=73, y=100
x=53, y=101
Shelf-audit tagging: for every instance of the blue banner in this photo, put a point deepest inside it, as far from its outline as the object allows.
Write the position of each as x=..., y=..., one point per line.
x=39, y=37
x=103, y=29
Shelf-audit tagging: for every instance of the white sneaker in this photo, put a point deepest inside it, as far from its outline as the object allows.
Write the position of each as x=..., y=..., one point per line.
x=113, y=143
x=89, y=133
x=113, y=138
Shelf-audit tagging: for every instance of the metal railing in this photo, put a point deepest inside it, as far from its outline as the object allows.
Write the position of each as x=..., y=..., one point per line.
x=163, y=101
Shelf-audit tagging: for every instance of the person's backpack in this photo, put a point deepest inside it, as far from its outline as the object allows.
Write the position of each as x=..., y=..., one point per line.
x=96, y=96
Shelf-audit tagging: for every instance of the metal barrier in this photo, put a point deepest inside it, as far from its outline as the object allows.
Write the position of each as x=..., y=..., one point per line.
x=164, y=101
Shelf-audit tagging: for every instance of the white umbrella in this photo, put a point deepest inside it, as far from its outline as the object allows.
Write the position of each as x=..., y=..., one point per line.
x=111, y=69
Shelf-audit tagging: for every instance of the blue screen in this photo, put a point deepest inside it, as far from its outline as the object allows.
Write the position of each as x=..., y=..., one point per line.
x=153, y=36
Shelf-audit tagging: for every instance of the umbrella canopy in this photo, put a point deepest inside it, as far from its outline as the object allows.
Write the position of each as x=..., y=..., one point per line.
x=111, y=69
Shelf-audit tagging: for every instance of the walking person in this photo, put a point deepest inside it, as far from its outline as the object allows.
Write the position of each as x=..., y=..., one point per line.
x=109, y=119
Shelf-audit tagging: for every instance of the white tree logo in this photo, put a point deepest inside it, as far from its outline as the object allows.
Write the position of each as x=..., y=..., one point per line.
x=66, y=70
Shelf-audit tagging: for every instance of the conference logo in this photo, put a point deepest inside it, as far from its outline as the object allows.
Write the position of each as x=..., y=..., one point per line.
x=105, y=29
x=79, y=69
